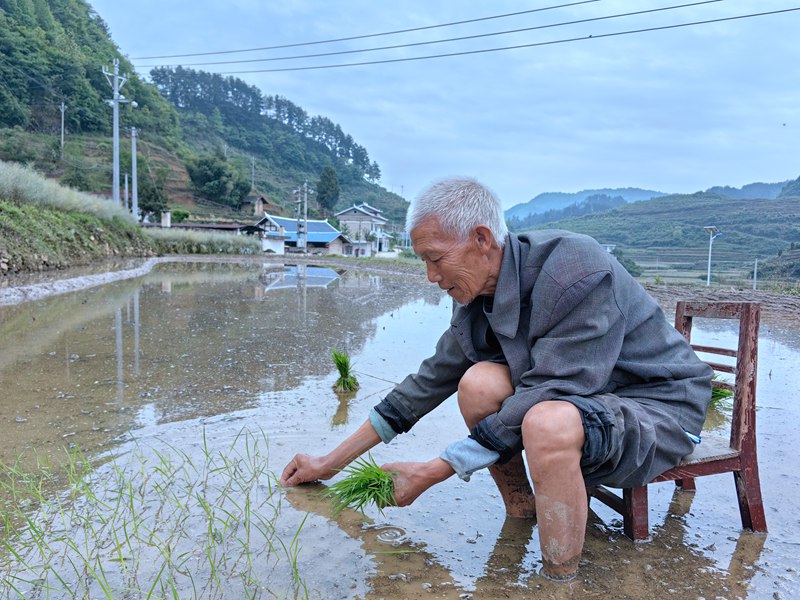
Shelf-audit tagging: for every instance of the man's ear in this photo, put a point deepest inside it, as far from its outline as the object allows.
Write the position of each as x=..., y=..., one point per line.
x=484, y=237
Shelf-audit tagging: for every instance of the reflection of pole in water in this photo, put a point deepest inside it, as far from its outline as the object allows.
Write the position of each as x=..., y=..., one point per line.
x=118, y=327
x=136, y=332
x=302, y=294
x=67, y=355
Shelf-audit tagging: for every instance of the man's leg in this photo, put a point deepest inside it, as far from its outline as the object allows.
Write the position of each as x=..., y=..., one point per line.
x=553, y=437
x=480, y=393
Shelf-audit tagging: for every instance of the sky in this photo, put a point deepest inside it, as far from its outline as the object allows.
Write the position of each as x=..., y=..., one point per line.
x=672, y=109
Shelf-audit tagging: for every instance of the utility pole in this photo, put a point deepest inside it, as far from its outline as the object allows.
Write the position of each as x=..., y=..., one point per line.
x=302, y=223
x=755, y=275
x=116, y=81
x=305, y=217
x=135, y=198
x=252, y=172
x=63, y=107
x=712, y=232
x=125, y=196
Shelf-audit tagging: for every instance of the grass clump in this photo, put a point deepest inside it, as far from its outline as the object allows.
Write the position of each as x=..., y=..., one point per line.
x=20, y=185
x=183, y=241
x=347, y=382
x=364, y=482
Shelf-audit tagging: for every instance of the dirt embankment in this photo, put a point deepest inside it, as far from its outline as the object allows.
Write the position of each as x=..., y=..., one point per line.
x=774, y=307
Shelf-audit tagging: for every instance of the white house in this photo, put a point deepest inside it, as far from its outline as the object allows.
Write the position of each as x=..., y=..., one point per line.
x=364, y=225
x=322, y=237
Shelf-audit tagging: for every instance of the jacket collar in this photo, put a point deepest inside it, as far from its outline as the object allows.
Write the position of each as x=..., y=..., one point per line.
x=505, y=313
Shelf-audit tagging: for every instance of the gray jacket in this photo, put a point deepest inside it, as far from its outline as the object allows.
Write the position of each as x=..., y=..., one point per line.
x=570, y=322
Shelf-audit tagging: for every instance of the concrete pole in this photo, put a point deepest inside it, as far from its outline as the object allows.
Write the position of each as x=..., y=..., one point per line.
x=63, y=107
x=125, y=198
x=305, y=217
x=135, y=199
x=755, y=276
x=115, y=133
x=116, y=81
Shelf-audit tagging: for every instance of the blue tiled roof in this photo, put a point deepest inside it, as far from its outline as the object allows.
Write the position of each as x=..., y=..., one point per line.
x=313, y=277
x=319, y=232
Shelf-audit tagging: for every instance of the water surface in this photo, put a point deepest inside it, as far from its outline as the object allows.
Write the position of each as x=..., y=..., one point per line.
x=188, y=357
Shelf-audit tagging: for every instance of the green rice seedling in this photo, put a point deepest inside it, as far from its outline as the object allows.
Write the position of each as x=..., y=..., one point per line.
x=347, y=382
x=364, y=482
x=719, y=395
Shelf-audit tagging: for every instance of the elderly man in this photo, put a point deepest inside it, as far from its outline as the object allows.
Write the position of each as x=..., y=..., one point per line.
x=554, y=350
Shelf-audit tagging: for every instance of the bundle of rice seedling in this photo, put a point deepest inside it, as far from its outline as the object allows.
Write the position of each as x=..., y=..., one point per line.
x=365, y=482
x=347, y=382
x=719, y=395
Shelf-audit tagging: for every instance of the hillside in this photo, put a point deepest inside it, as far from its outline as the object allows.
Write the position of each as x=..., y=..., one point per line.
x=668, y=232
x=767, y=191
x=53, y=56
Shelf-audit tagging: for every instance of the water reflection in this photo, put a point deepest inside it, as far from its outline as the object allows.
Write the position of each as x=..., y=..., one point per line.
x=196, y=349
x=188, y=339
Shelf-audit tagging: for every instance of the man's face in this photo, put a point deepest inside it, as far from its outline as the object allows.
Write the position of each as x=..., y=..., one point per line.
x=461, y=268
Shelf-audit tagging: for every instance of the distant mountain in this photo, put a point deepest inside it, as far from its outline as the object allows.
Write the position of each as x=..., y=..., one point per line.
x=751, y=191
x=560, y=200
x=751, y=227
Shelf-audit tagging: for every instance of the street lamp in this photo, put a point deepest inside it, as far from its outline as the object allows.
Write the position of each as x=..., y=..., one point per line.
x=712, y=233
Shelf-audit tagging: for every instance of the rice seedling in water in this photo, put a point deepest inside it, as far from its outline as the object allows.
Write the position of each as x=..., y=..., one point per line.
x=719, y=395
x=347, y=382
x=156, y=521
x=364, y=482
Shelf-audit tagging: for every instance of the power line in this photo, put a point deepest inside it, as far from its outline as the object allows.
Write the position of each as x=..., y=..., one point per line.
x=455, y=39
x=370, y=35
x=516, y=47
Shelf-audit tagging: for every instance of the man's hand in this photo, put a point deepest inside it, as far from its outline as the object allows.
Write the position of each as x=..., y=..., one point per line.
x=303, y=469
x=411, y=479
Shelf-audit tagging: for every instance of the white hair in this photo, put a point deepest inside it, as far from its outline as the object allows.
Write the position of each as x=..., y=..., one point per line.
x=459, y=205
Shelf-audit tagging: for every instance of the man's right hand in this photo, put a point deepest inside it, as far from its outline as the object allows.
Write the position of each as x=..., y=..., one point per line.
x=303, y=469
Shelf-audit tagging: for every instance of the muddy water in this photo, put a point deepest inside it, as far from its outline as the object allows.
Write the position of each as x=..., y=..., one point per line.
x=201, y=351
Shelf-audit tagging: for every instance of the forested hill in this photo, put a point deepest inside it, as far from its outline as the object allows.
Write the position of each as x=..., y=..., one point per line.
x=53, y=54
x=54, y=51
x=288, y=143
x=759, y=227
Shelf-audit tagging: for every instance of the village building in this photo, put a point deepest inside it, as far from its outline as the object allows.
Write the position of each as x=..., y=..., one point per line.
x=280, y=235
x=364, y=226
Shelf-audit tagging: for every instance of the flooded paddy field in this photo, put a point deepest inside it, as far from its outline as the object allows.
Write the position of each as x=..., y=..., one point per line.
x=188, y=389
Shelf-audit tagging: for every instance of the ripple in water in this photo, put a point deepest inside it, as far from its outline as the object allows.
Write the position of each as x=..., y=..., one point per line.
x=391, y=535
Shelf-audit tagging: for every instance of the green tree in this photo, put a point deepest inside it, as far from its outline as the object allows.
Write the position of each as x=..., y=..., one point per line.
x=152, y=198
x=328, y=189
x=215, y=179
x=630, y=266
